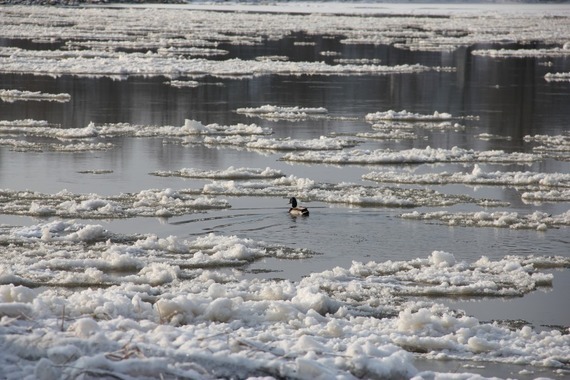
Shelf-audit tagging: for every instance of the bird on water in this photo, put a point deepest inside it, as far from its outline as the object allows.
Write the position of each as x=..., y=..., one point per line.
x=297, y=210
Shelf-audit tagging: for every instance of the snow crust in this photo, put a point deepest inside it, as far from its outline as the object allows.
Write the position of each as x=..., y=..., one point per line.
x=143, y=306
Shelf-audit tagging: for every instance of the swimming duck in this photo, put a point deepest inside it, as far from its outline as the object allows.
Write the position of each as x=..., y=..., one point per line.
x=297, y=210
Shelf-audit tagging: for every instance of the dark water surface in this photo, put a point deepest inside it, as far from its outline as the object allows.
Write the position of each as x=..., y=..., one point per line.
x=509, y=96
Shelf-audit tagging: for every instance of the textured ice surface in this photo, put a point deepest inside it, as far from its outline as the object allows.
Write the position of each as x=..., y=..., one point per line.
x=143, y=306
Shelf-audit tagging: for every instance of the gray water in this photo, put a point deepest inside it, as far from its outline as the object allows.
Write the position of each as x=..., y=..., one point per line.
x=509, y=96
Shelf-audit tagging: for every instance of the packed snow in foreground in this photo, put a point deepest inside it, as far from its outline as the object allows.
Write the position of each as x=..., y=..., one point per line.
x=116, y=309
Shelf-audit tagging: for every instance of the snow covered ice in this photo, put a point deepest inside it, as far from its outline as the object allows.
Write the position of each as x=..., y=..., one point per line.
x=144, y=230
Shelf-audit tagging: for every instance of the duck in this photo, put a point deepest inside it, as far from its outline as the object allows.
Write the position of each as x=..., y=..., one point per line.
x=297, y=210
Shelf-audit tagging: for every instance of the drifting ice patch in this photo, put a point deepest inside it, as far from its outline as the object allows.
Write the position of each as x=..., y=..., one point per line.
x=251, y=142
x=17, y=95
x=546, y=196
x=284, y=113
x=411, y=156
x=343, y=193
x=522, y=53
x=229, y=173
x=557, y=77
x=161, y=203
x=210, y=324
x=477, y=176
x=407, y=116
x=537, y=220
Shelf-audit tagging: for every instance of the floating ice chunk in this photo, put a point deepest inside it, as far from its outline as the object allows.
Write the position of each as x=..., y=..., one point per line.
x=344, y=193
x=557, y=77
x=407, y=116
x=24, y=123
x=17, y=95
x=502, y=219
x=522, y=53
x=283, y=113
x=442, y=259
x=153, y=202
x=546, y=196
x=322, y=143
x=477, y=176
x=229, y=173
x=427, y=155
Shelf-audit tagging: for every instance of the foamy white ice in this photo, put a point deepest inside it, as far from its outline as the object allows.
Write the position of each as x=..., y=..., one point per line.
x=18, y=95
x=152, y=202
x=477, y=176
x=407, y=116
x=231, y=173
x=503, y=219
x=259, y=143
x=343, y=193
x=161, y=319
x=557, y=77
x=284, y=113
x=427, y=155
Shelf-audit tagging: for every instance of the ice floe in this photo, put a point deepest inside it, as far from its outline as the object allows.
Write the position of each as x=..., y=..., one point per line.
x=284, y=113
x=504, y=219
x=231, y=173
x=342, y=193
x=150, y=64
x=557, y=77
x=410, y=156
x=476, y=177
x=27, y=146
x=522, y=53
x=18, y=95
x=407, y=116
x=259, y=143
x=546, y=196
x=152, y=202
x=190, y=128
x=191, y=83
x=147, y=306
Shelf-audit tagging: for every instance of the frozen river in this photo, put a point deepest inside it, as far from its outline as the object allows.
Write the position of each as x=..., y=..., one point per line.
x=147, y=157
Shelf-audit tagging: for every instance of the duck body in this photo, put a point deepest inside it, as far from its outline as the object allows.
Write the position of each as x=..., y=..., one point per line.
x=297, y=210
